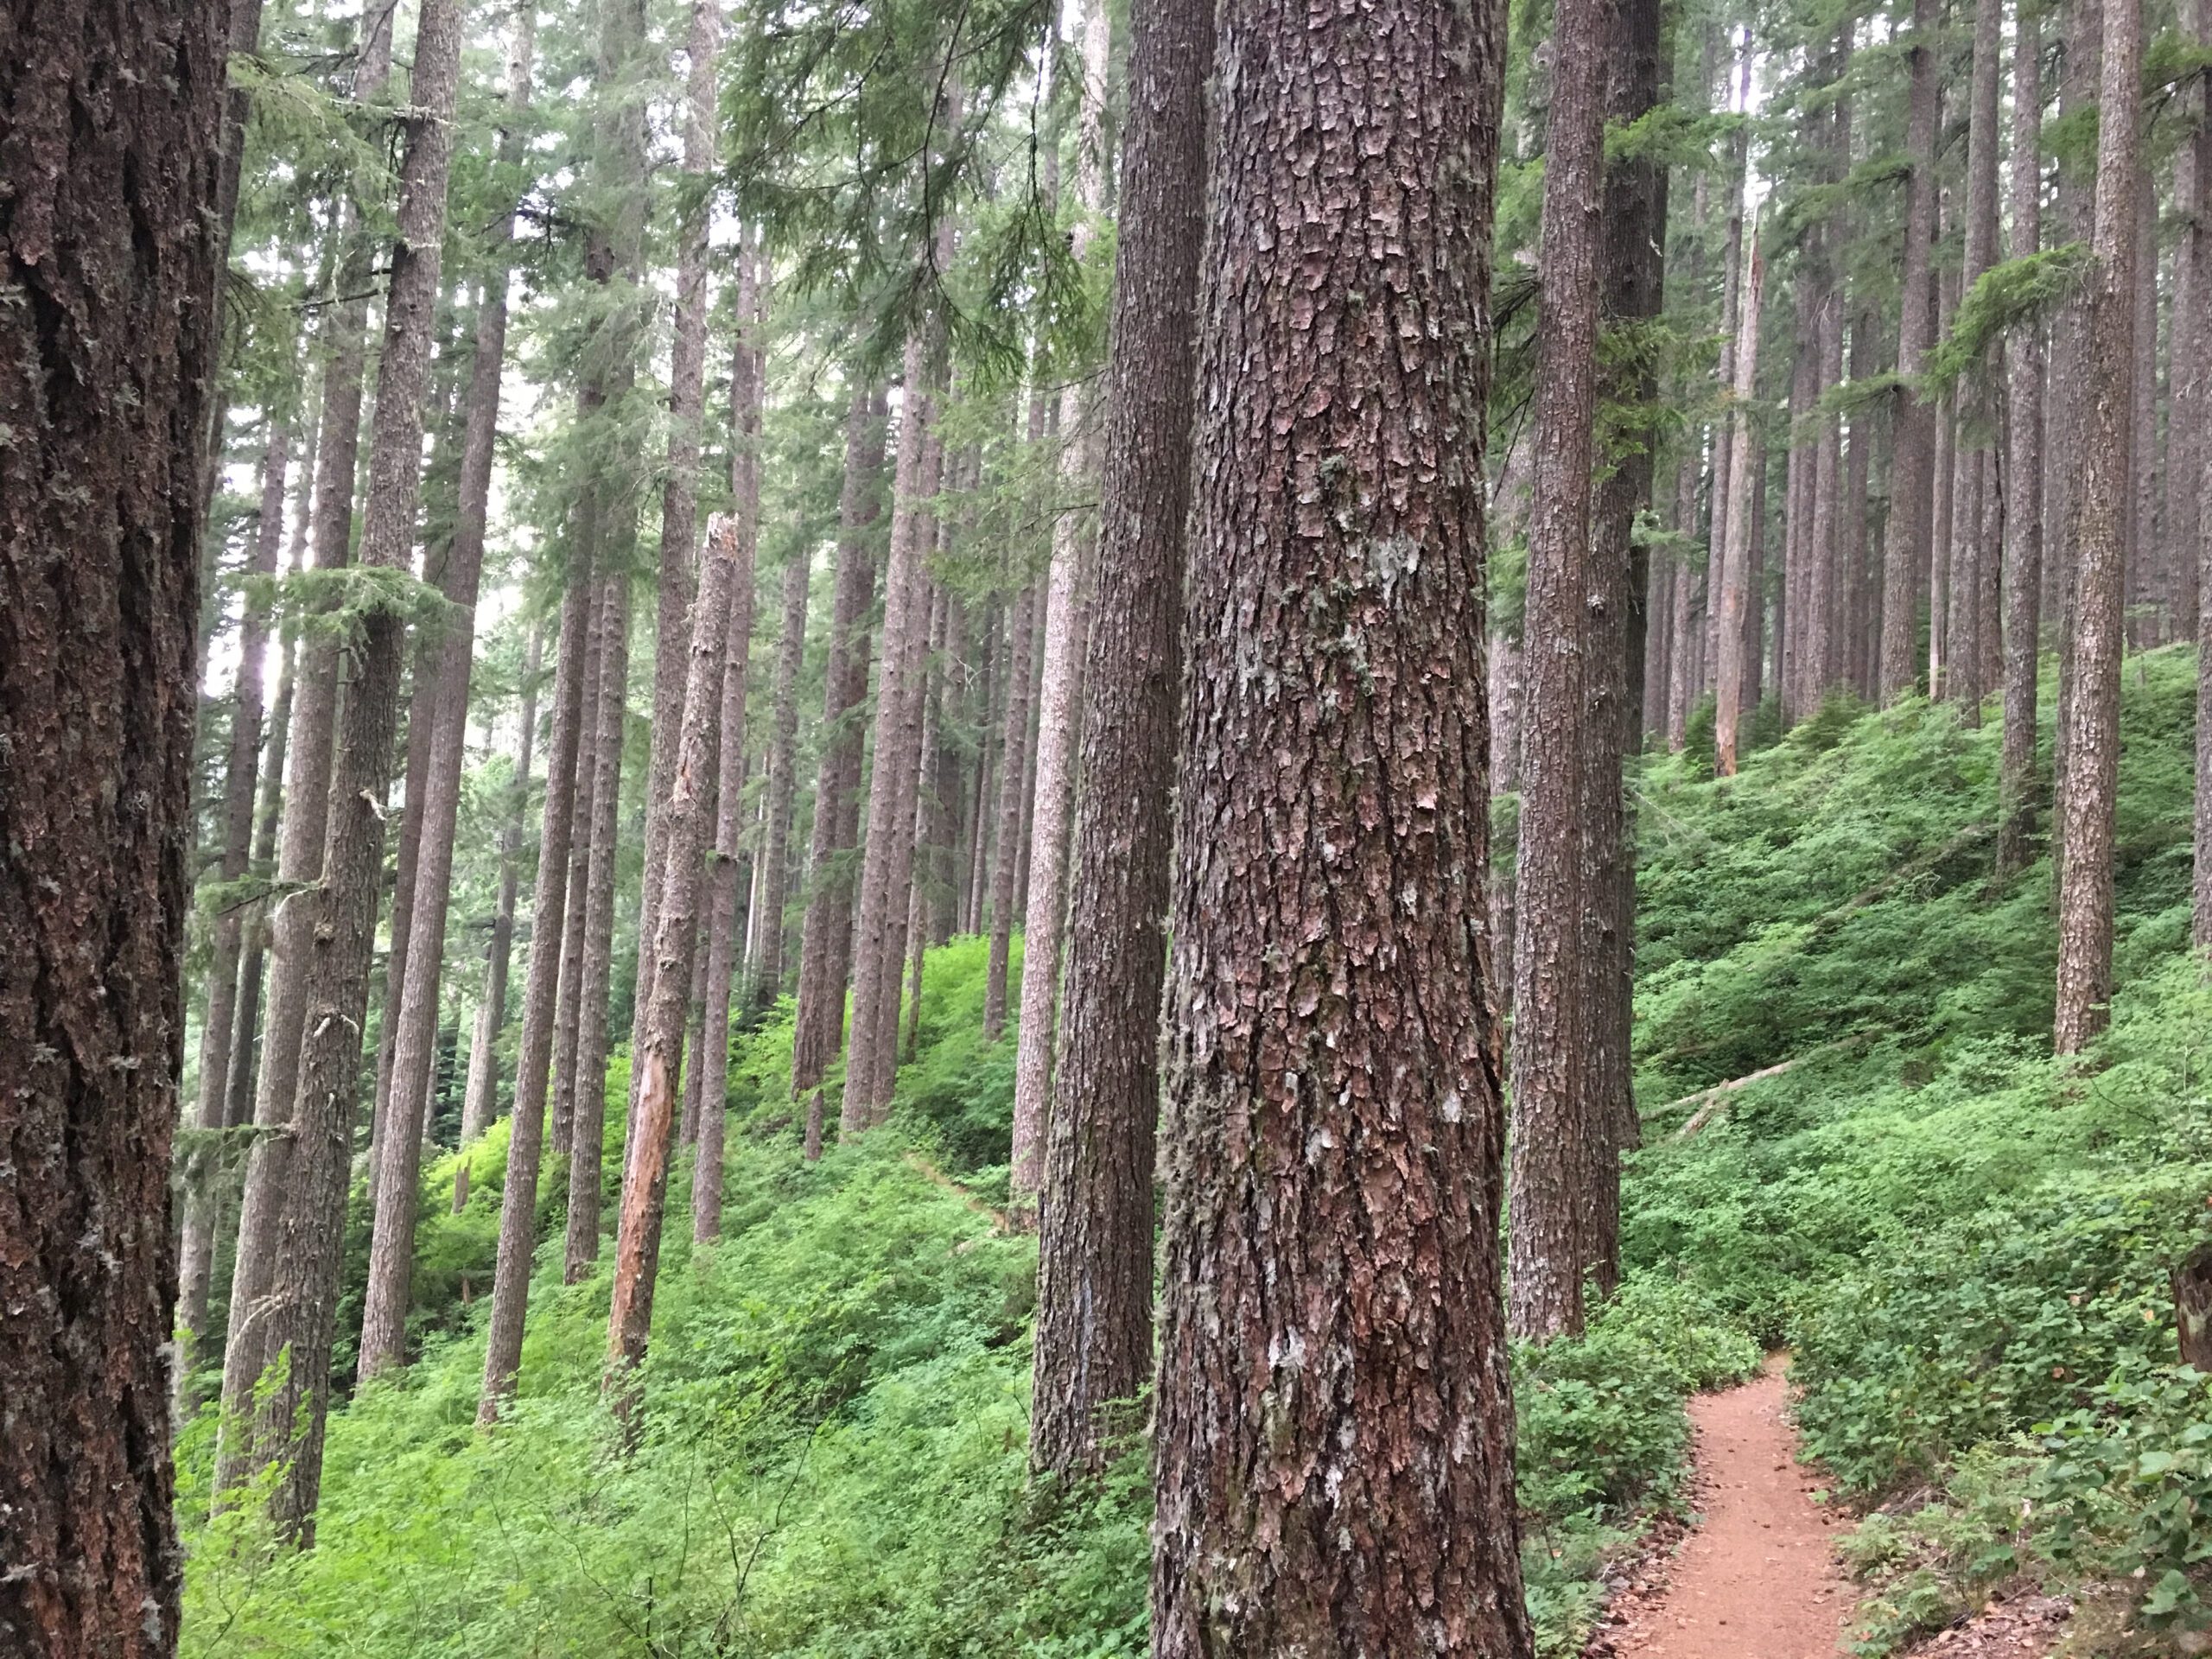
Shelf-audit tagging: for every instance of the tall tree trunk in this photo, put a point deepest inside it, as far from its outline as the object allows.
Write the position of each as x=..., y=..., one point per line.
x=1743, y=525
x=1619, y=615
x=2100, y=521
x=1684, y=673
x=109, y=253
x=746, y=396
x=288, y=1420
x=534, y=1051
x=1824, y=630
x=1333, y=1096
x=1094, y=1272
x=1553, y=1137
x=1974, y=461
x=2022, y=586
x=679, y=511
x=1731, y=296
x=1905, y=538
x=1013, y=770
x=825, y=934
x=1060, y=707
x=310, y=746
x=644, y=1182
x=218, y=1025
x=887, y=867
x=481, y=1101
x=2190, y=415
x=440, y=727
x=2146, y=586
x=783, y=779
x=928, y=816
x=587, y=1131
x=1801, y=472
x=990, y=716
x=568, y=1005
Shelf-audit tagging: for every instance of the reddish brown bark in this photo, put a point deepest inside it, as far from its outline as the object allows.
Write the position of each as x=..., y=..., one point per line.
x=645, y=1180
x=1334, y=1464
x=1743, y=526
x=109, y=251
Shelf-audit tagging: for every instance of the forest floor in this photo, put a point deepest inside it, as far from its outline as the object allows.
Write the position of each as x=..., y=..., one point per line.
x=1758, y=1579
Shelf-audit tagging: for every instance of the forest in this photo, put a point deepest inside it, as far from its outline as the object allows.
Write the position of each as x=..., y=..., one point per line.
x=986, y=829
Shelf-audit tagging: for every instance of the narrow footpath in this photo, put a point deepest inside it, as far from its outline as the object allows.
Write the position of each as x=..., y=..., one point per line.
x=1757, y=1578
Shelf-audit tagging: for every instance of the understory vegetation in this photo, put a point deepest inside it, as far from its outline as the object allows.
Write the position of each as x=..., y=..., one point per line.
x=1964, y=1245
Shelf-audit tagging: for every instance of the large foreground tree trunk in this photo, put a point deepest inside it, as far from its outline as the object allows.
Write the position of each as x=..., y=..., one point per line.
x=1094, y=1275
x=108, y=250
x=2104, y=501
x=1334, y=1447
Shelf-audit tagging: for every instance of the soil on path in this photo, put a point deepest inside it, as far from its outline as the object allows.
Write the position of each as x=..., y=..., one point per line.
x=1758, y=1580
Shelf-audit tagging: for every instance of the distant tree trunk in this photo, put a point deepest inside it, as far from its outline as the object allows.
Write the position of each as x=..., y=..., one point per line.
x=440, y=726
x=564, y=779
x=1553, y=1138
x=1731, y=296
x=108, y=252
x=644, y=1181
x=288, y=1421
x=568, y=1004
x=219, y=1027
x=586, y=1132
x=269, y=1183
x=480, y=1103
x=1742, y=525
x=1013, y=768
x=679, y=512
x=2100, y=521
x=1333, y=1101
x=1801, y=470
x=2022, y=586
x=783, y=783
x=990, y=716
x=237, y=1107
x=2147, y=576
x=1095, y=1270
x=928, y=819
x=2190, y=414
x=1974, y=462
x=747, y=375
x=1059, y=700
x=1755, y=587
x=1905, y=540
x=1825, y=631
x=1942, y=509
x=1684, y=674
x=825, y=934
x=887, y=867
x=1620, y=619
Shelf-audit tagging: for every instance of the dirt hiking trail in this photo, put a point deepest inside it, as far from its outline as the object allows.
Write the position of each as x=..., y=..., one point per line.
x=1758, y=1580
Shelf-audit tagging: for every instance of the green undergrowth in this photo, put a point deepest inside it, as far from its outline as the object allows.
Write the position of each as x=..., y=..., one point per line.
x=1965, y=1243
x=834, y=1454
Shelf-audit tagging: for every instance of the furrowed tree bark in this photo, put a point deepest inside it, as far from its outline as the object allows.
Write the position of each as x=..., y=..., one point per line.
x=2022, y=469
x=399, y=1152
x=644, y=1181
x=1059, y=709
x=783, y=779
x=1905, y=538
x=587, y=1131
x=1554, y=1139
x=825, y=934
x=526, y=1142
x=1743, y=526
x=269, y=1182
x=109, y=254
x=218, y=1029
x=2103, y=503
x=1095, y=1269
x=734, y=661
x=287, y=1425
x=480, y=1103
x=1334, y=1462
x=679, y=512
